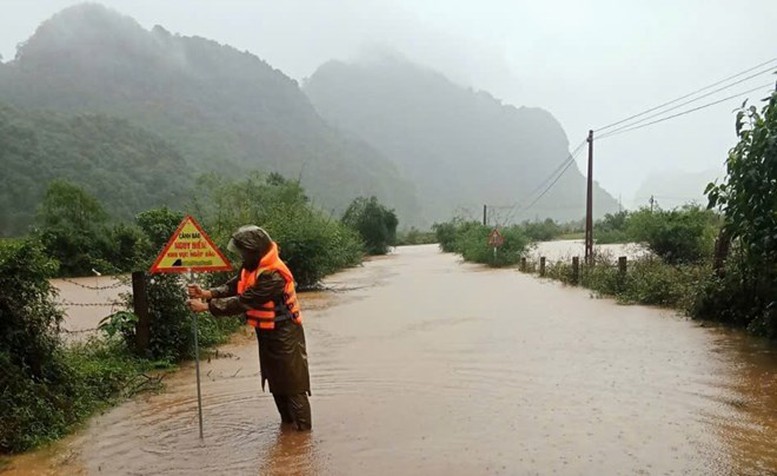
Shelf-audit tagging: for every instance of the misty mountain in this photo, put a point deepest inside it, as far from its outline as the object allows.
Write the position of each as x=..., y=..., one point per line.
x=460, y=147
x=222, y=109
x=126, y=167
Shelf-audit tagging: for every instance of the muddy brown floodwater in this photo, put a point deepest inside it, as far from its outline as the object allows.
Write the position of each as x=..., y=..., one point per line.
x=423, y=365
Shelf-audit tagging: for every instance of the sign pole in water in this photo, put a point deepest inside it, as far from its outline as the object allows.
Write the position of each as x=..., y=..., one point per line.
x=496, y=240
x=197, y=363
x=189, y=250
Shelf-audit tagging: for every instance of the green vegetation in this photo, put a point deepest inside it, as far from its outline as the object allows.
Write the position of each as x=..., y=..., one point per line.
x=678, y=236
x=680, y=241
x=311, y=243
x=542, y=231
x=73, y=228
x=376, y=224
x=126, y=168
x=742, y=291
x=611, y=229
x=210, y=107
x=470, y=240
x=45, y=388
x=648, y=281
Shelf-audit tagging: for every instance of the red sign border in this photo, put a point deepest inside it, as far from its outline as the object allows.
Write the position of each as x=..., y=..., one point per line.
x=198, y=269
x=495, y=239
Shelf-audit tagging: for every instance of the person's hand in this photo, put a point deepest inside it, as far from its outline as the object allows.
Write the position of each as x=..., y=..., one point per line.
x=196, y=292
x=197, y=305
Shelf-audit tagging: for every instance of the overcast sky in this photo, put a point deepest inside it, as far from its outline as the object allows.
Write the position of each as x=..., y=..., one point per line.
x=588, y=62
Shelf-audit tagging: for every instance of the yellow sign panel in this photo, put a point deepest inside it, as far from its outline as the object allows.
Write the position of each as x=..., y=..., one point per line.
x=190, y=249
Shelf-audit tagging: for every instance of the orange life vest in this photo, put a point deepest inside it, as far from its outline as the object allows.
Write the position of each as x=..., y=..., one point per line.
x=271, y=312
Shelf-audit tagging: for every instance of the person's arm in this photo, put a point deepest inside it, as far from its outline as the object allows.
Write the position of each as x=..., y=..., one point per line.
x=225, y=290
x=268, y=286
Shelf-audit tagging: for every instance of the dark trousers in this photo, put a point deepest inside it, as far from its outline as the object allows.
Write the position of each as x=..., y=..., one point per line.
x=295, y=409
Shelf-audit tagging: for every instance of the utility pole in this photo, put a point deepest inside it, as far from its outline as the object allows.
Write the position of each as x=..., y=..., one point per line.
x=589, y=206
x=485, y=215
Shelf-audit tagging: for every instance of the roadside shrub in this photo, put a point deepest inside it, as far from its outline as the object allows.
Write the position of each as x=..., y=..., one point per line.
x=445, y=233
x=612, y=228
x=472, y=243
x=541, y=231
x=677, y=236
x=81, y=379
x=46, y=389
x=648, y=281
x=736, y=298
x=29, y=319
x=376, y=224
x=311, y=243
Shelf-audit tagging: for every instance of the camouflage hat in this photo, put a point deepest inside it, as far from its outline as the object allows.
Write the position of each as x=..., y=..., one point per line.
x=251, y=239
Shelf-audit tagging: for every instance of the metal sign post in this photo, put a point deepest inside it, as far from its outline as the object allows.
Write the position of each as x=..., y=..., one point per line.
x=197, y=367
x=189, y=250
x=197, y=361
x=496, y=240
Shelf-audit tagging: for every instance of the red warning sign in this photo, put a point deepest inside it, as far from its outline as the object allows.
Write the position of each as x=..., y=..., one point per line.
x=495, y=238
x=190, y=249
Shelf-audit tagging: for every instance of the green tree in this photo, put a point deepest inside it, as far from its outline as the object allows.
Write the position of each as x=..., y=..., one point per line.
x=612, y=228
x=66, y=204
x=748, y=200
x=72, y=228
x=376, y=224
x=678, y=236
x=158, y=224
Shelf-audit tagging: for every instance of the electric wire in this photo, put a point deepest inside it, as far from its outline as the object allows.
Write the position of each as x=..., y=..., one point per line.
x=685, y=96
x=632, y=127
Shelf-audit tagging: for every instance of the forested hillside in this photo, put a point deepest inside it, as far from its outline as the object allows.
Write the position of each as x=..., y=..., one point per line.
x=222, y=109
x=126, y=167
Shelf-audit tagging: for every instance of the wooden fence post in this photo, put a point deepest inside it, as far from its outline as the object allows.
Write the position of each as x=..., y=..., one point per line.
x=140, y=306
x=622, y=267
x=575, y=270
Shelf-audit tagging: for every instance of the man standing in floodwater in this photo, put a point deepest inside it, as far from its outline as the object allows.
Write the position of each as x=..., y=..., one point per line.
x=264, y=291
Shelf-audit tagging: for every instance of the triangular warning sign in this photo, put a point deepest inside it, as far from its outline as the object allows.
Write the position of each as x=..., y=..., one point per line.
x=190, y=249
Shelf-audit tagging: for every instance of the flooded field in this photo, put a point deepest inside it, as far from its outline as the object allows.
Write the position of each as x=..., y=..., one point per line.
x=87, y=300
x=566, y=249
x=423, y=365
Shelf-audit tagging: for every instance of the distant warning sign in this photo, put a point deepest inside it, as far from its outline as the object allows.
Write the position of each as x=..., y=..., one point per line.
x=190, y=249
x=495, y=238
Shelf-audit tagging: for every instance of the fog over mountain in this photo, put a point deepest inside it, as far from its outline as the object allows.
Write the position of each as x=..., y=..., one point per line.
x=462, y=148
x=222, y=109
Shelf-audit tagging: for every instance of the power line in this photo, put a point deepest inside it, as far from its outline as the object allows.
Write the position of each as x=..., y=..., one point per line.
x=549, y=186
x=570, y=160
x=631, y=127
x=570, y=156
x=686, y=95
x=678, y=106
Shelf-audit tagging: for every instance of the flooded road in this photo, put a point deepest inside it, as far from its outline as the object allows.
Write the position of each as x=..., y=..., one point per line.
x=425, y=366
